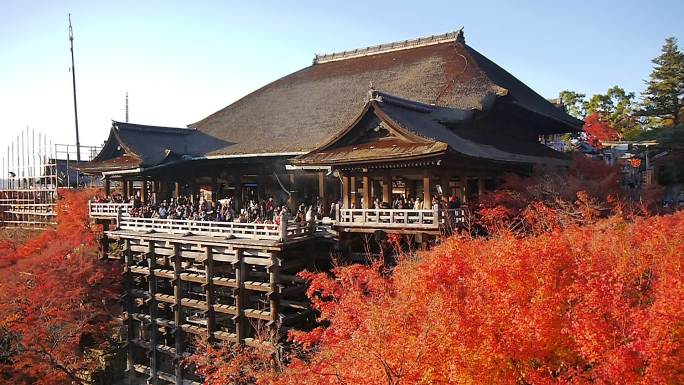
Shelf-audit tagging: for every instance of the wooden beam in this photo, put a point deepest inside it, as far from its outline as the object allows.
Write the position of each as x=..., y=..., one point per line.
x=480, y=187
x=107, y=186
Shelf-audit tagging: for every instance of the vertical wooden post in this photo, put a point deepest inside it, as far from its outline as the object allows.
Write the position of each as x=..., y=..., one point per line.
x=322, y=191
x=239, y=319
x=283, y=227
x=292, y=202
x=445, y=180
x=464, y=188
x=104, y=240
x=143, y=191
x=128, y=285
x=376, y=190
x=107, y=187
x=387, y=187
x=209, y=291
x=177, y=313
x=126, y=190
x=131, y=189
x=346, y=194
x=274, y=277
x=427, y=191
x=261, y=186
x=177, y=190
x=366, y=192
x=480, y=187
x=152, y=281
x=353, y=193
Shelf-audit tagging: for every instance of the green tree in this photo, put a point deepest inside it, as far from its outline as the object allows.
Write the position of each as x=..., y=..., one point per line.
x=573, y=103
x=665, y=88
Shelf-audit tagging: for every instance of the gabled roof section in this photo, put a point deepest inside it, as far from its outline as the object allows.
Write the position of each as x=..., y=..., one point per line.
x=298, y=112
x=404, y=129
x=131, y=146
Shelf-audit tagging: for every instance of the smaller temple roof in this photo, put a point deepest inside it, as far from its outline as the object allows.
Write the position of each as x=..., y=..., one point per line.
x=131, y=146
x=418, y=130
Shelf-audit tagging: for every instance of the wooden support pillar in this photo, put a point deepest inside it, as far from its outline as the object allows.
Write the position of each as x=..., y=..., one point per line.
x=177, y=315
x=427, y=191
x=274, y=278
x=464, y=188
x=366, y=192
x=292, y=202
x=152, y=309
x=104, y=240
x=125, y=190
x=128, y=287
x=322, y=191
x=131, y=190
x=444, y=182
x=376, y=191
x=143, y=192
x=410, y=186
x=261, y=186
x=480, y=187
x=177, y=190
x=239, y=293
x=209, y=292
x=387, y=187
x=237, y=195
x=346, y=193
x=107, y=187
x=353, y=192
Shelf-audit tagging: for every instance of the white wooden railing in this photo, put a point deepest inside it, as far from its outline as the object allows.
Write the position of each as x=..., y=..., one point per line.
x=400, y=218
x=266, y=231
x=208, y=228
x=108, y=210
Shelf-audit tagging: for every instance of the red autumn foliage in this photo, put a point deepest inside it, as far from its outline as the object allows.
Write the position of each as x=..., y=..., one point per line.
x=593, y=304
x=599, y=130
x=55, y=297
x=553, y=197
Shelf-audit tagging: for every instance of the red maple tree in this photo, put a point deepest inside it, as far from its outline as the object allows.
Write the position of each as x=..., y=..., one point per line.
x=599, y=130
x=55, y=300
x=593, y=304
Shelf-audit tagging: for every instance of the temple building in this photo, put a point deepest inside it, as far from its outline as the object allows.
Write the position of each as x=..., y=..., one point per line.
x=429, y=119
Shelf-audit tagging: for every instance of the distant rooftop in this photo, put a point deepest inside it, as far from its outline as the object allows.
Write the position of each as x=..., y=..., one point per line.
x=389, y=47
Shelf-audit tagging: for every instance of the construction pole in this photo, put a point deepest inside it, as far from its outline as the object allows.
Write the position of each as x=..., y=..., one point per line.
x=73, y=80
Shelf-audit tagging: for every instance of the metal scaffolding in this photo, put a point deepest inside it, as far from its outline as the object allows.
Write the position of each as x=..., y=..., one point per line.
x=31, y=172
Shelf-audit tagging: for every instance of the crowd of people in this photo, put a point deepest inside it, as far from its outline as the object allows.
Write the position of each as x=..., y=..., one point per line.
x=189, y=207
x=198, y=208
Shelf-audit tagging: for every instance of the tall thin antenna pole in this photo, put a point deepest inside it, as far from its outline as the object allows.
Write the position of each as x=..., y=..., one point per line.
x=126, y=107
x=73, y=79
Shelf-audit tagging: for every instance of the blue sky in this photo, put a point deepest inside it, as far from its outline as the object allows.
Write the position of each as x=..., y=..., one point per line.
x=181, y=61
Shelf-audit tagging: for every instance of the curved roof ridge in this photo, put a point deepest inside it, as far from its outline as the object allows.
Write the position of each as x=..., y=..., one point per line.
x=393, y=46
x=152, y=129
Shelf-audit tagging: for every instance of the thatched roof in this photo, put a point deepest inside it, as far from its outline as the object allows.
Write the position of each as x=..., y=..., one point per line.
x=299, y=111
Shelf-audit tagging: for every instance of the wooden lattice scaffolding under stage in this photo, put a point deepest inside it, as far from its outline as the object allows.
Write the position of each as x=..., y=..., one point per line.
x=182, y=287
